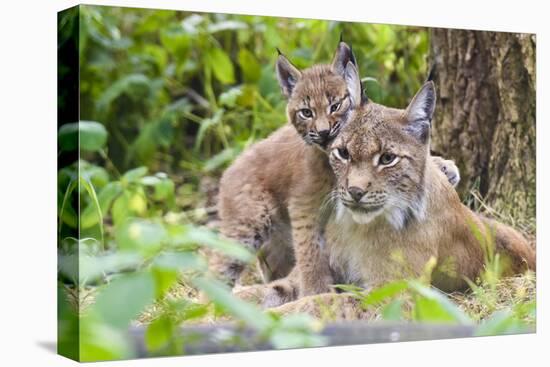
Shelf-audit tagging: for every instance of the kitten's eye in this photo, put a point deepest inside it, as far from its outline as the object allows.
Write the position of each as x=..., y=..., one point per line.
x=334, y=107
x=306, y=113
x=386, y=158
x=341, y=153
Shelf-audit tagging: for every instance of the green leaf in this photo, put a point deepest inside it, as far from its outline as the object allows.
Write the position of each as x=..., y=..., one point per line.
x=393, y=311
x=105, y=197
x=229, y=97
x=89, y=135
x=164, y=280
x=92, y=268
x=95, y=202
x=206, y=124
x=225, y=156
x=384, y=292
x=142, y=235
x=65, y=210
x=135, y=174
x=180, y=261
x=136, y=86
x=159, y=333
x=122, y=300
x=221, y=295
x=120, y=209
x=433, y=305
x=501, y=322
x=100, y=341
x=208, y=238
x=221, y=65
x=250, y=66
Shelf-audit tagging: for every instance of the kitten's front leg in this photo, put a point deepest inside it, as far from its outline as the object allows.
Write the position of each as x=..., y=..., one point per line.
x=312, y=264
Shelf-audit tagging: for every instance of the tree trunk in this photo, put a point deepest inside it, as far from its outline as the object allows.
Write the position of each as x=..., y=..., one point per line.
x=485, y=114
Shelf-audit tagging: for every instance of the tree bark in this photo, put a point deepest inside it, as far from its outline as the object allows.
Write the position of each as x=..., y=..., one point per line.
x=485, y=114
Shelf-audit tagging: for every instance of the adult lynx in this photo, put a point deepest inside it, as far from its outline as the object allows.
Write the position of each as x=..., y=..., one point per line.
x=392, y=199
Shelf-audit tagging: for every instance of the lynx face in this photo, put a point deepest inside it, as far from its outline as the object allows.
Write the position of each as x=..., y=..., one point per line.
x=379, y=161
x=320, y=98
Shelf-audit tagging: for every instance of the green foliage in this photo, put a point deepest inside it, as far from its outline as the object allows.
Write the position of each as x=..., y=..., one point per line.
x=131, y=252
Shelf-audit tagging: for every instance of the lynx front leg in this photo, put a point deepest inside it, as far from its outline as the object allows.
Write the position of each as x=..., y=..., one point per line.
x=312, y=264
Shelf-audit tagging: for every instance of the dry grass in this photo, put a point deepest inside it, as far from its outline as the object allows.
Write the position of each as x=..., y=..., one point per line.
x=505, y=293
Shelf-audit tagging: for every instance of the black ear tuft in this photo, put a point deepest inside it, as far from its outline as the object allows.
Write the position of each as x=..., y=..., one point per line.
x=342, y=56
x=278, y=51
x=287, y=75
x=420, y=112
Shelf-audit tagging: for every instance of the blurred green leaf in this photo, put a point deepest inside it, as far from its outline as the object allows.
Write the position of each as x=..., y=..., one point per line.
x=393, y=311
x=159, y=333
x=86, y=135
x=180, y=261
x=100, y=341
x=228, y=247
x=384, y=292
x=221, y=295
x=121, y=301
x=221, y=65
x=105, y=197
x=142, y=235
x=249, y=65
x=134, y=174
x=433, y=305
x=501, y=322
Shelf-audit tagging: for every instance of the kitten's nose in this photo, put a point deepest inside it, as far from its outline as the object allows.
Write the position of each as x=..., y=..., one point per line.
x=324, y=134
x=356, y=193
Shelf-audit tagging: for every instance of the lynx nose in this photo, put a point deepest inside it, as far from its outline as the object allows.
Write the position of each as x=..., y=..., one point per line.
x=324, y=134
x=356, y=193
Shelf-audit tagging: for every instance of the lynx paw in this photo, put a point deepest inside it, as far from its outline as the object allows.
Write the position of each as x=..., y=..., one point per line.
x=269, y=295
x=449, y=168
x=318, y=285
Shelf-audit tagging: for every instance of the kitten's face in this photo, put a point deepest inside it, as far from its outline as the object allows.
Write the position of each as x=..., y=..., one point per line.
x=379, y=161
x=320, y=98
x=319, y=105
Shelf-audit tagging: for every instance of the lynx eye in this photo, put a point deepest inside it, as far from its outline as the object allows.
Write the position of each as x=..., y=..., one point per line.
x=341, y=153
x=387, y=159
x=306, y=113
x=335, y=107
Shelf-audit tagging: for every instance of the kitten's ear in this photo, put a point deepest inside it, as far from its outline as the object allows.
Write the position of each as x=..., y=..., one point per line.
x=342, y=56
x=287, y=74
x=420, y=111
x=353, y=82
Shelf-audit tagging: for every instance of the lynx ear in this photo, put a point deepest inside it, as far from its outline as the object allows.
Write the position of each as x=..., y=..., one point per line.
x=342, y=56
x=420, y=111
x=287, y=74
x=353, y=82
